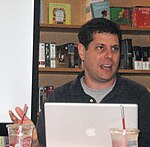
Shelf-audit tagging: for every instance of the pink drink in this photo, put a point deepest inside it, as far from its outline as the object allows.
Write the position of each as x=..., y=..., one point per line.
x=124, y=138
x=20, y=135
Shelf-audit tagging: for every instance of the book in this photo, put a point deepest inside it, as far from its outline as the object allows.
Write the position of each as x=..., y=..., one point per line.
x=71, y=53
x=145, y=58
x=141, y=16
x=149, y=56
x=52, y=50
x=47, y=55
x=44, y=92
x=59, y=13
x=100, y=9
x=52, y=63
x=137, y=58
x=126, y=61
x=62, y=56
x=121, y=15
x=4, y=142
x=41, y=55
x=88, y=8
x=41, y=11
x=77, y=60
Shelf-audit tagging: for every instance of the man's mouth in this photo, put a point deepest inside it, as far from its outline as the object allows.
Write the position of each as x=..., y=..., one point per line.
x=106, y=66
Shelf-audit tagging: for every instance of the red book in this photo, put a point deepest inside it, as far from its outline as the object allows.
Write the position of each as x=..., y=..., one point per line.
x=141, y=16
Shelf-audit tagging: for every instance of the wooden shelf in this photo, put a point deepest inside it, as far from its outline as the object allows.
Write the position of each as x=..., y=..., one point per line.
x=60, y=70
x=60, y=27
x=75, y=28
x=77, y=70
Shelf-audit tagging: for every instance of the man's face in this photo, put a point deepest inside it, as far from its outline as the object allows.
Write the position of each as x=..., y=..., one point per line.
x=101, y=59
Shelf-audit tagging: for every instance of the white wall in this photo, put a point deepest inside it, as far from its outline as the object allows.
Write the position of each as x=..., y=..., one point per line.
x=16, y=52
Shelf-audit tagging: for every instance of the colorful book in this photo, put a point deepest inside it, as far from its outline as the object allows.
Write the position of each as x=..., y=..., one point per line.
x=121, y=15
x=141, y=16
x=100, y=9
x=88, y=8
x=59, y=13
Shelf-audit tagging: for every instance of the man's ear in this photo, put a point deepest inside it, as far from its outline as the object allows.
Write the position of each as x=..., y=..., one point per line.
x=81, y=51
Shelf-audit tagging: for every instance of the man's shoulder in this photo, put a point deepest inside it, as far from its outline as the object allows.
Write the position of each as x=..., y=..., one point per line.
x=131, y=84
x=64, y=87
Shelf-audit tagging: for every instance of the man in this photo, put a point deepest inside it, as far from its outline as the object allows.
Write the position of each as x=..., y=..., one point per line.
x=99, y=50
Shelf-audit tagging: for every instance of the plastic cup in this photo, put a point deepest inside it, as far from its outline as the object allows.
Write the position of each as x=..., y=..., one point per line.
x=124, y=137
x=20, y=135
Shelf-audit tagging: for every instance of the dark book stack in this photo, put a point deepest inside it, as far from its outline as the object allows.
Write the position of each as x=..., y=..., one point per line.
x=141, y=58
x=126, y=61
x=44, y=92
x=67, y=56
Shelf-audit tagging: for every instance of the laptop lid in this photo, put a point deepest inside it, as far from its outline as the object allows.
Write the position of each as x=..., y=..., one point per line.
x=85, y=125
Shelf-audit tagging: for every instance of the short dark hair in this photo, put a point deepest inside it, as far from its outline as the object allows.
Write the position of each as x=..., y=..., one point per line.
x=98, y=25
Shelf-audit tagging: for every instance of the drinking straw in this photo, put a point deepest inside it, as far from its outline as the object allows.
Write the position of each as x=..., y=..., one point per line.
x=123, y=117
x=24, y=113
x=21, y=122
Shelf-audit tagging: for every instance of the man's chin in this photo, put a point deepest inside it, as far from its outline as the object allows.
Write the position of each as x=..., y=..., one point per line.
x=107, y=79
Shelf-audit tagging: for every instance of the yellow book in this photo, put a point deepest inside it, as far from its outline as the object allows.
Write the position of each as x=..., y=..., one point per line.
x=59, y=13
x=1, y=143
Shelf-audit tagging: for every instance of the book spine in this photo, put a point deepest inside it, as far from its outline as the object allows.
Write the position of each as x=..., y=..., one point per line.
x=145, y=60
x=71, y=62
x=47, y=55
x=53, y=55
x=52, y=50
x=41, y=11
x=137, y=58
x=1, y=141
x=42, y=55
x=53, y=63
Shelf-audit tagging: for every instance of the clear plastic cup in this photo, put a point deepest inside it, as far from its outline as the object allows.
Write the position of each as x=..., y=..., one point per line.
x=20, y=135
x=124, y=137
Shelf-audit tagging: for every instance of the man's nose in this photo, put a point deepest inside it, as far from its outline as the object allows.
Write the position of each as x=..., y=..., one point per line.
x=109, y=53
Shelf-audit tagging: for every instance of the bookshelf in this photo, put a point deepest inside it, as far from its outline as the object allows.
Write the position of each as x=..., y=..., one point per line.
x=68, y=33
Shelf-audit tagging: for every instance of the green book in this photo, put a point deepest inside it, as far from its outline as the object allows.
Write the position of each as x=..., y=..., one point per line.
x=121, y=15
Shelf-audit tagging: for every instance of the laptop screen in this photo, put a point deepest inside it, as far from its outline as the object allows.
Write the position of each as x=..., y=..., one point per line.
x=85, y=125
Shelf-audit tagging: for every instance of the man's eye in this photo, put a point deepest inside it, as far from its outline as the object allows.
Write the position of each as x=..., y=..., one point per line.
x=100, y=48
x=115, y=49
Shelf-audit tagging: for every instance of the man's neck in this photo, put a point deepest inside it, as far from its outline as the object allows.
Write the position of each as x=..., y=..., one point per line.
x=98, y=85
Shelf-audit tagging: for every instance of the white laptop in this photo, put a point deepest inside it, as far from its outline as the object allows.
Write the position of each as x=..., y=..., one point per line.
x=85, y=125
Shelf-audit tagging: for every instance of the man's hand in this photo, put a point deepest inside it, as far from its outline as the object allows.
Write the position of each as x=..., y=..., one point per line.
x=25, y=121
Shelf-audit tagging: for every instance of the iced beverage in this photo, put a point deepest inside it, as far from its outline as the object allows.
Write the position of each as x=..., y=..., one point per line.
x=124, y=137
x=20, y=135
